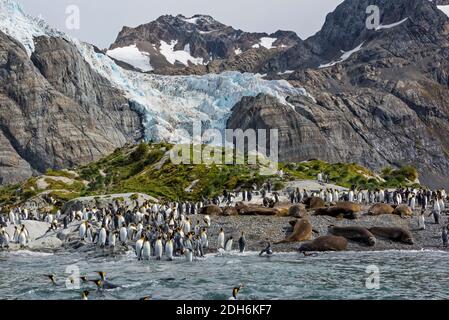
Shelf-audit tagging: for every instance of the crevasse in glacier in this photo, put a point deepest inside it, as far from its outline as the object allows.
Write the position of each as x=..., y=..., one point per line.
x=166, y=103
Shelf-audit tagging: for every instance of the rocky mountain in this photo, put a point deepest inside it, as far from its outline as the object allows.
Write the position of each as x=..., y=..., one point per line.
x=55, y=110
x=195, y=45
x=374, y=96
x=381, y=95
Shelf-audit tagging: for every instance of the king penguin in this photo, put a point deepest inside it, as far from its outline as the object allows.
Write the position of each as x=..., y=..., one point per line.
x=229, y=243
x=221, y=239
x=158, y=248
x=169, y=249
x=242, y=243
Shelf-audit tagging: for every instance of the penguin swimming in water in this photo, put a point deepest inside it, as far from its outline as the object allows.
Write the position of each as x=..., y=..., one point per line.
x=242, y=243
x=221, y=239
x=102, y=283
x=52, y=278
x=229, y=243
x=235, y=292
x=158, y=248
x=268, y=251
x=85, y=295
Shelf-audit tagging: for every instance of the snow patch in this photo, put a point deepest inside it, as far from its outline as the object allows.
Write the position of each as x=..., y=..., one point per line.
x=445, y=9
x=266, y=42
x=238, y=51
x=286, y=72
x=192, y=20
x=346, y=55
x=389, y=26
x=182, y=56
x=132, y=56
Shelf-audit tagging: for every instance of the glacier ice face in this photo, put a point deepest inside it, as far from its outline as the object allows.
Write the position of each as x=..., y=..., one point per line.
x=22, y=27
x=167, y=103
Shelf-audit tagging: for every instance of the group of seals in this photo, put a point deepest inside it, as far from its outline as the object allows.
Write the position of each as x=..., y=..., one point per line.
x=383, y=208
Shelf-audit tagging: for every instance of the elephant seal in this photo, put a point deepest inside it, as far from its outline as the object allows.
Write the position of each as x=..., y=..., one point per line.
x=230, y=211
x=297, y=211
x=355, y=233
x=394, y=233
x=349, y=206
x=380, y=208
x=253, y=210
x=302, y=231
x=325, y=243
x=336, y=212
x=314, y=203
x=211, y=210
x=403, y=210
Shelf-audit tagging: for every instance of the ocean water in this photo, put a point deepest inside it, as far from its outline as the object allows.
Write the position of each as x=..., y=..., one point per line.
x=335, y=276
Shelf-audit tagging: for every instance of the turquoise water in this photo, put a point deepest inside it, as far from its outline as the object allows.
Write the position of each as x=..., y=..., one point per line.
x=402, y=275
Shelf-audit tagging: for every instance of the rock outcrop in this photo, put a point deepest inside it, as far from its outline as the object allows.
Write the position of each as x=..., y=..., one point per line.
x=56, y=112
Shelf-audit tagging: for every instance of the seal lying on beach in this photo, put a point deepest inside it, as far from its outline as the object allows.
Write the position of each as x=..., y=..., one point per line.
x=354, y=233
x=211, y=210
x=230, y=211
x=302, y=231
x=395, y=234
x=314, y=203
x=380, y=208
x=253, y=210
x=403, y=210
x=325, y=243
x=297, y=211
x=337, y=211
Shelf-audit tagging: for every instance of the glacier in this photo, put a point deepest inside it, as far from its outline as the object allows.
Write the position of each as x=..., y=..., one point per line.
x=166, y=103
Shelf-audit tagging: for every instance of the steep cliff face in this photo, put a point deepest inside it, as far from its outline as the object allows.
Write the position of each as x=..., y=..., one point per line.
x=385, y=103
x=57, y=112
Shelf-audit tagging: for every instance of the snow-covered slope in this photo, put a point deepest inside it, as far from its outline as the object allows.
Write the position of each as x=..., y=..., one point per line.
x=132, y=56
x=445, y=9
x=167, y=103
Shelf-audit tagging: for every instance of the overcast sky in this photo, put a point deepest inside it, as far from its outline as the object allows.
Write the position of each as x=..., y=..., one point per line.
x=101, y=20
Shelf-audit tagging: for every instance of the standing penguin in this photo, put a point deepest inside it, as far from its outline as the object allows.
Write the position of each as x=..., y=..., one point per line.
x=242, y=243
x=204, y=240
x=146, y=250
x=188, y=253
x=169, y=249
x=422, y=221
x=123, y=235
x=82, y=230
x=102, y=238
x=221, y=239
x=112, y=239
x=158, y=248
x=229, y=243
x=139, y=247
x=207, y=221
x=444, y=236
x=22, y=238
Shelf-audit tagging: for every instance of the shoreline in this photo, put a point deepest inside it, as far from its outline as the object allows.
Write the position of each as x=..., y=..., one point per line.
x=258, y=231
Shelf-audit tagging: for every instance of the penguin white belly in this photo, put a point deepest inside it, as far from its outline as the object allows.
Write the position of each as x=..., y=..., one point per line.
x=82, y=231
x=123, y=235
x=189, y=255
x=112, y=240
x=102, y=238
x=146, y=251
x=158, y=250
x=22, y=239
x=221, y=240
x=229, y=245
x=139, y=246
x=169, y=250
